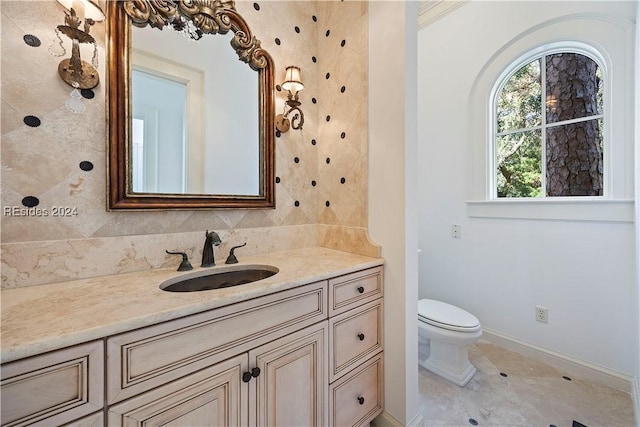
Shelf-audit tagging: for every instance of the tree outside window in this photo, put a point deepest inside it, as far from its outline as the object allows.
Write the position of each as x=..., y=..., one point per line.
x=553, y=145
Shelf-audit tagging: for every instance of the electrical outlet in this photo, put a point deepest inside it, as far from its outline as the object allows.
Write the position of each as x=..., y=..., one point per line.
x=456, y=232
x=542, y=314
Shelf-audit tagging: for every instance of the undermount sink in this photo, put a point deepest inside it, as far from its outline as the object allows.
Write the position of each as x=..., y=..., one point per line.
x=224, y=278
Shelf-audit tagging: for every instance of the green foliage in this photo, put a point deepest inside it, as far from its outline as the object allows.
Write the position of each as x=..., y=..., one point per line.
x=519, y=105
x=519, y=154
x=519, y=169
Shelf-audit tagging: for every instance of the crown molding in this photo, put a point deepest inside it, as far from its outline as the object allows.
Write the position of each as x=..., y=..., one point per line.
x=431, y=10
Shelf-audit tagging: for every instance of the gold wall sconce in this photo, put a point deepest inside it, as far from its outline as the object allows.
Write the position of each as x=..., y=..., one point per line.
x=292, y=84
x=74, y=71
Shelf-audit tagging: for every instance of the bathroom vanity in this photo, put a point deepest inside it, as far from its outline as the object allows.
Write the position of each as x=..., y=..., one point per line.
x=302, y=347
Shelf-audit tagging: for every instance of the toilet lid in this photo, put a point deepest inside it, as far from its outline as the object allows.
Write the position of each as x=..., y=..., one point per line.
x=447, y=316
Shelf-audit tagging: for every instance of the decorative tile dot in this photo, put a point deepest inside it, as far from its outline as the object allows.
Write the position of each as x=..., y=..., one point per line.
x=297, y=29
x=30, y=201
x=31, y=40
x=342, y=89
x=314, y=59
x=314, y=100
x=314, y=142
x=327, y=76
x=328, y=118
x=327, y=33
x=314, y=183
x=502, y=374
x=31, y=121
x=343, y=135
x=328, y=160
x=297, y=203
x=256, y=6
x=343, y=180
x=296, y=159
x=86, y=166
x=277, y=180
x=566, y=378
x=315, y=18
x=342, y=43
x=87, y=93
x=473, y=422
x=327, y=203
x=277, y=40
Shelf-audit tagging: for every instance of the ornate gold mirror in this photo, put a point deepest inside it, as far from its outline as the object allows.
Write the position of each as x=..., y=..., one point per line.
x=190, y=126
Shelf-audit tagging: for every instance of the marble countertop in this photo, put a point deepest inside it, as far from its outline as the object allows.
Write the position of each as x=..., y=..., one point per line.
x=42, y=318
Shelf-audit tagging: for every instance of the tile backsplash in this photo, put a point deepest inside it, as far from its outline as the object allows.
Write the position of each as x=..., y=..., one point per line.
x=57, y=159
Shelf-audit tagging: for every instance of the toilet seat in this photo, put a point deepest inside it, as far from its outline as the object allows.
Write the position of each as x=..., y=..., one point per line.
x=447, y=316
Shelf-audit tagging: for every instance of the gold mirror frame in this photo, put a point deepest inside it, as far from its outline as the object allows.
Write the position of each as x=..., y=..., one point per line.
x=210, y=17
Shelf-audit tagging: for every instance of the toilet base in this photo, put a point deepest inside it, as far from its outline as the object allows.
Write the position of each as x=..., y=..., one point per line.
x=450, y=361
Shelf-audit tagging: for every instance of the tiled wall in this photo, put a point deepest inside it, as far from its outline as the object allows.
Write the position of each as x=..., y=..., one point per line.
x=59, y=158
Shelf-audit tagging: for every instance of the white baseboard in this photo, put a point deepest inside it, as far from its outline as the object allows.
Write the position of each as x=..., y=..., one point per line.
x=566, y=363
x=386, y=420
x=636, y=400
x=418, y=421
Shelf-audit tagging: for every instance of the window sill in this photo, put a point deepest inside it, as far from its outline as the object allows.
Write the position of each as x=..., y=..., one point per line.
x=564, y=209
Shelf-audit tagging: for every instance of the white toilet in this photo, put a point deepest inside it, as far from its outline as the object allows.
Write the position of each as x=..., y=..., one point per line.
x=444, y=334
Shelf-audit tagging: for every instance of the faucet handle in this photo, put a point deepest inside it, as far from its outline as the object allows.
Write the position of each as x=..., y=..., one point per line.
x=185, y=265
x=231, y=259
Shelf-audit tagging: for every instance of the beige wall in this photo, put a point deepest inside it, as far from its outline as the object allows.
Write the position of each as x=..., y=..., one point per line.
x=44, y=161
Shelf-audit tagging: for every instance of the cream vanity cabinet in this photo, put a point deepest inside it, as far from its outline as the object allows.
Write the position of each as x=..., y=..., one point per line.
x=288, y=389
x=263, y=359
x=307, y=356
x=356, y=389
x=55, y=388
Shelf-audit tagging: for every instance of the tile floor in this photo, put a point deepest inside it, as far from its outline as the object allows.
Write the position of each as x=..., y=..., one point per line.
x=510, y=389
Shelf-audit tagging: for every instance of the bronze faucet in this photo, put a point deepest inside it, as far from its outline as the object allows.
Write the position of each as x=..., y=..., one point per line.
x=212, y=239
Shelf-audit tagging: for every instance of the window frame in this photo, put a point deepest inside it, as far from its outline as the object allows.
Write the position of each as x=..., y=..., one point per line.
x=530, y=56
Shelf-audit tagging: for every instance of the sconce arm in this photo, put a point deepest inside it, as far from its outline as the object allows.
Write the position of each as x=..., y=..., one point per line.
x=297, y=119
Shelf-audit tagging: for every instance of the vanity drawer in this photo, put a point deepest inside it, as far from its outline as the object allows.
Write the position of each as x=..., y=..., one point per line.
x=54, y=388
x=354, y=336
x=155, y=355
x=357, y=397
x=351, y=290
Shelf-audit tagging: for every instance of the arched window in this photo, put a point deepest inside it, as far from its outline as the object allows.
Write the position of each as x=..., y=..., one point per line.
x=497, y=123
x=548, y=121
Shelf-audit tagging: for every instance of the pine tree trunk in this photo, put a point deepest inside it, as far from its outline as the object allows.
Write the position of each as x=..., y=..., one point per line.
x=574, y=157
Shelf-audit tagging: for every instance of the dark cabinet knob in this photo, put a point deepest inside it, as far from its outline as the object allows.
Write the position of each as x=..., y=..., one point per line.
x=361, y=337
x=361, y=400
x=246, y=377
x=361, y=289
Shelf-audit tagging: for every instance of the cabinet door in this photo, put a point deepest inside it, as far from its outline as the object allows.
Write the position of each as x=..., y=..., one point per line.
x=291, y=389
x=214, y=396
